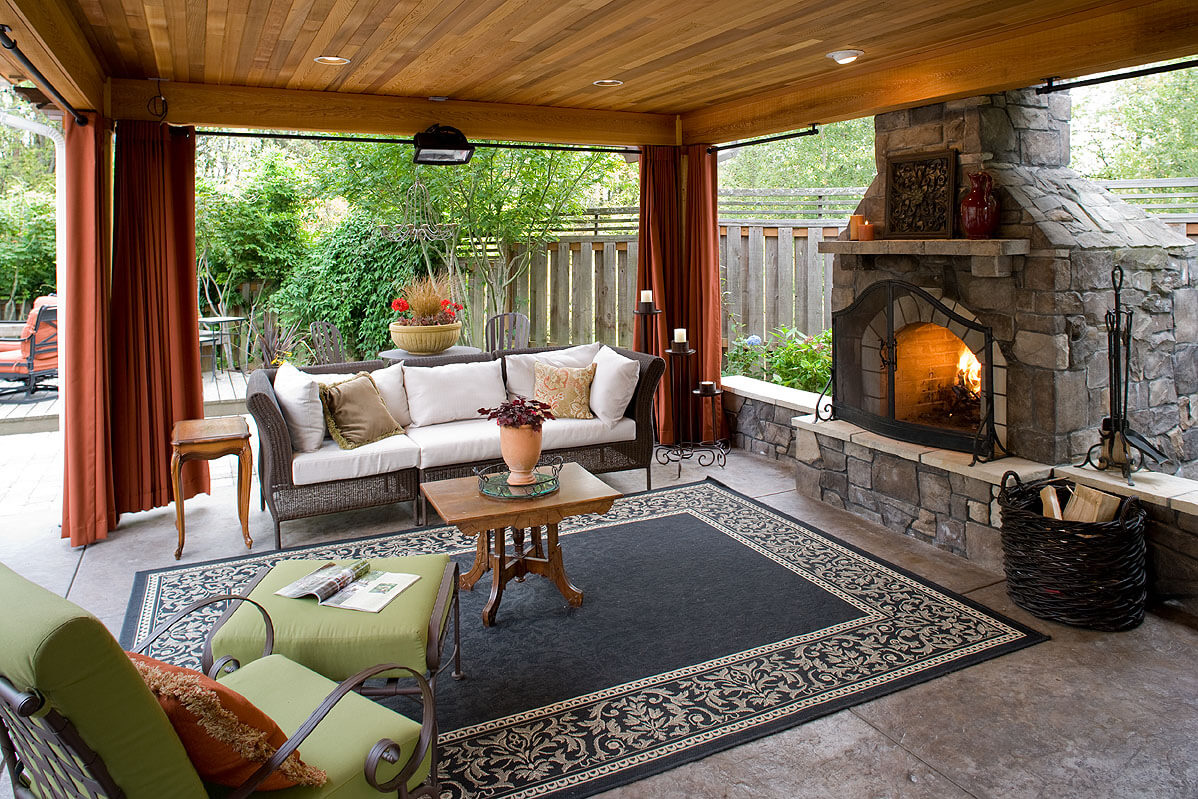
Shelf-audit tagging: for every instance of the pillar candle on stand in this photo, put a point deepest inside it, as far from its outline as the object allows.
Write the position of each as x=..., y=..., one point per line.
x=855, y=221
x=866, y=231
x=680, y=335
x=647, y=295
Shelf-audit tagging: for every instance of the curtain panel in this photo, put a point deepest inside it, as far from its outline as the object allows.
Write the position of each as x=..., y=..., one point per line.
x=658, y=261
x=88, y=506
x=700, y=284
x=155, y=365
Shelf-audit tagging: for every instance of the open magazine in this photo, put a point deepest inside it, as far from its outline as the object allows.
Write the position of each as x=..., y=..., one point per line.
x=355, y=586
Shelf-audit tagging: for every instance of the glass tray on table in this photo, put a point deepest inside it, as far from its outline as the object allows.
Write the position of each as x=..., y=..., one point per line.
x=492, y=480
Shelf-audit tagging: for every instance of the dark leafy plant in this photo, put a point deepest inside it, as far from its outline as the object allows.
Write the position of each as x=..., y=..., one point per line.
x=800, y=361
x=518, y=412
x=746, y=356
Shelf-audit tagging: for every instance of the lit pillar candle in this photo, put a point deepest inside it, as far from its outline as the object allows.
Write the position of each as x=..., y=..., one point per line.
x=707, y=386
x=680, y=335
x=866, y=231
x=647, y=296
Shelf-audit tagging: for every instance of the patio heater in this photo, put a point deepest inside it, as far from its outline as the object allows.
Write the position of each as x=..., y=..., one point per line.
x=442, y=145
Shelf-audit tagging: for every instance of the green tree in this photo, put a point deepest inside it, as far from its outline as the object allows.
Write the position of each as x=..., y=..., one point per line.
x=1139, y=128
x=26, y=245
x=350, y=280
x=841, y=155
x=26, y=159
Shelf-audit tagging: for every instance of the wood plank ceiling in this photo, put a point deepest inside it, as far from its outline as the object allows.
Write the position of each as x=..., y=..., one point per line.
x=674, y=56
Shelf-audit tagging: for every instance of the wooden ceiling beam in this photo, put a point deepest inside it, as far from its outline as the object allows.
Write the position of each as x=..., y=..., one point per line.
x=48, y=35
x=1122, y=35
x=206, y=105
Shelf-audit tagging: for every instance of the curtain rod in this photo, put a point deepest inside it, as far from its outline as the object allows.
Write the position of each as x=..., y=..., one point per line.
x=812, y=131
x=1050, y=84
x=35, y=74
x=250, y=134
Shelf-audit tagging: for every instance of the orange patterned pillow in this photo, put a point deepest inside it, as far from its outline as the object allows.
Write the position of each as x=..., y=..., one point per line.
x=226, y=737
x=566, y=390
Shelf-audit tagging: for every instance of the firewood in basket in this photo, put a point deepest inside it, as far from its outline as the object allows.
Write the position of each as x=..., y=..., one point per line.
x=1052, y=504
x=1090, y=505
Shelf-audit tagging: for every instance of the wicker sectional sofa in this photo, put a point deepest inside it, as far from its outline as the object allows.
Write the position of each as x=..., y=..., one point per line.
x=295, y=485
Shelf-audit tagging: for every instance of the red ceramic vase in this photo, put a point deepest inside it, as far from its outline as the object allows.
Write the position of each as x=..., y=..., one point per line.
x=979, y=209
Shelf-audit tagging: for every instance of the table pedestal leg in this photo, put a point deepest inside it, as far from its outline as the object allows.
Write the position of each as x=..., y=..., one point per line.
x=498, y=576
x=481, y=561
x=557, y=572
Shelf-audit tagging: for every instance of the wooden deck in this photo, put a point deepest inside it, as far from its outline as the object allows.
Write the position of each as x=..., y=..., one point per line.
x=223, y=396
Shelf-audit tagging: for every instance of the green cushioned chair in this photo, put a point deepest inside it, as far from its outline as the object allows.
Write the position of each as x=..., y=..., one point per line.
x=76, y=719
x=338, y=643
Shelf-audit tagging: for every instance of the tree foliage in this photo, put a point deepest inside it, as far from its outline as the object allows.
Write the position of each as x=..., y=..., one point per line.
x=841, y=155
x=1140, y=128
x=26, y=244
x=350, y=280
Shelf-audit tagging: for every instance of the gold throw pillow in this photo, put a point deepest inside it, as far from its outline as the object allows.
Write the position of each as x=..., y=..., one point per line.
x=566, y=390
x=355, y=413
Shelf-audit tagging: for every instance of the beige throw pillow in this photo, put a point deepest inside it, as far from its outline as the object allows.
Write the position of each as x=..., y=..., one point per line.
x=356, y=414
x=566, y=390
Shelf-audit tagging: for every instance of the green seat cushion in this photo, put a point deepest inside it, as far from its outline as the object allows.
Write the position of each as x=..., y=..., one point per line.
x=288, y=693
x=336, y=642
x=63, y=652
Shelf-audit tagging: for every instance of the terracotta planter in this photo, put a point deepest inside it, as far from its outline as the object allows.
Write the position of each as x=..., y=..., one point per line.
x=521, y=449
x=425, y=339
x=979, y=209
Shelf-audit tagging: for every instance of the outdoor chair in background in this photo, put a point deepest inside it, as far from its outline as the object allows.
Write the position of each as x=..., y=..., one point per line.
x=507, y=331
x=211, y=340
x=326, y=343
x=34, y=358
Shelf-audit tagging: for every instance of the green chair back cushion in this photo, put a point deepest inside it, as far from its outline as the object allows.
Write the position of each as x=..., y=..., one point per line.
x=65, y=654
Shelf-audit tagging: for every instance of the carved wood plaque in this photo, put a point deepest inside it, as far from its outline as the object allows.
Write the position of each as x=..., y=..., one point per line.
x=921, y=193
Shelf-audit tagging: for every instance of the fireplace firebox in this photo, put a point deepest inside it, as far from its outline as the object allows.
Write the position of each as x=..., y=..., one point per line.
x=915, y=367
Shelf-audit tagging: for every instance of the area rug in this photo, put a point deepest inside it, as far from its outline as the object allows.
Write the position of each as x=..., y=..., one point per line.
x=709, y=619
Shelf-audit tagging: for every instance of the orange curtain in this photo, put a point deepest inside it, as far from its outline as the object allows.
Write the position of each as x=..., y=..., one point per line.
x=658, y=260
x=699, y=283
x=155, y=348
x=88, y=507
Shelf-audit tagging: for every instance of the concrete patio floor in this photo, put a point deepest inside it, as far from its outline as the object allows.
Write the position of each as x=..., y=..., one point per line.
x=1085, y=714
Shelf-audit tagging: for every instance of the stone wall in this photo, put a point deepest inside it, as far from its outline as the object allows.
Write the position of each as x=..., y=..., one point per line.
x=1047, y=315
x=760, y=427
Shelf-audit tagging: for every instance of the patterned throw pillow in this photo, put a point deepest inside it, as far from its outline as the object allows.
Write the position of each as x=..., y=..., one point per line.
x=225, y=736
x=567, y=391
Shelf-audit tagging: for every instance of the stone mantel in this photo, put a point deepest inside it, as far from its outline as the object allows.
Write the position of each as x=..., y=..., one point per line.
x=987, y=257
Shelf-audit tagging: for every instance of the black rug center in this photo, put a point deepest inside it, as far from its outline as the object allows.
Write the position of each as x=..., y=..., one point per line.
x=659, y=594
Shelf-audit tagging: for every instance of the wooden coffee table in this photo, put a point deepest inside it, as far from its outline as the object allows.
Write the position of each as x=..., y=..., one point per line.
x=459, y=502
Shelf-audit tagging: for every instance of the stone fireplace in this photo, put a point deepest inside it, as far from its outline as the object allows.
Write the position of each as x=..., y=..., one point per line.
x=914, y=412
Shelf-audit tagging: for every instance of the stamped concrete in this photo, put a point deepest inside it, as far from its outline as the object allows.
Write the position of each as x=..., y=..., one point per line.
x=1085, y=714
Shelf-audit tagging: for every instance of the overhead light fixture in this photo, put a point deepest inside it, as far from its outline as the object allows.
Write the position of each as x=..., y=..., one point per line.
x=442, y=145
x=845, y=56
x=331, y=60
x=609, y=82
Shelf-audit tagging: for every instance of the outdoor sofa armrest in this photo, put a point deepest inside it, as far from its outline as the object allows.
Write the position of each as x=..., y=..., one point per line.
x=385, y=749
x=206, y=664
x=273, y=438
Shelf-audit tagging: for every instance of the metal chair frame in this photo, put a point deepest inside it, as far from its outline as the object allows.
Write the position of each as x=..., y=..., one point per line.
x=326, y=342
x=47, y=316
x=507, y=331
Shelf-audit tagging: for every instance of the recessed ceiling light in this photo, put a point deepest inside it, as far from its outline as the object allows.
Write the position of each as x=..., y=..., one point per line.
x=609, y=82
x=331, y=60
x=845, y=56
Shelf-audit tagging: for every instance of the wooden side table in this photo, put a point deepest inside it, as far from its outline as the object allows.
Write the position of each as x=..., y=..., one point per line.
x=460, y=503
x=205, y=439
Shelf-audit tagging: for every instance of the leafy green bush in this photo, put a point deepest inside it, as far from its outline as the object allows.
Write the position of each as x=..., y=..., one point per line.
x=26, y=244
x=792, y=359
x=350, y=280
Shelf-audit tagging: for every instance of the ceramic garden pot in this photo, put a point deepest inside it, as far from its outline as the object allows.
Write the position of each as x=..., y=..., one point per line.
x=521, y=449
x=979, y=209
x=425, y=339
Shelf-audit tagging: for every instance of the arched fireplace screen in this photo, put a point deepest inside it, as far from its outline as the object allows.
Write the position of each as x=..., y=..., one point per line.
x=913, y=367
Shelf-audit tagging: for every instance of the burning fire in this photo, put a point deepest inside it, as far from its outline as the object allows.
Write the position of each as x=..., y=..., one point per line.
x=969, y=373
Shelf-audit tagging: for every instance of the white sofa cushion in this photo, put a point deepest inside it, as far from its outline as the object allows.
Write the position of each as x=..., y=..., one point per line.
x=298, y=395
x=520, y=378
x=389, y=382
x=614, y=384
x=564, y=433
x=456, y=442
x=453, y=392
x=330, y=462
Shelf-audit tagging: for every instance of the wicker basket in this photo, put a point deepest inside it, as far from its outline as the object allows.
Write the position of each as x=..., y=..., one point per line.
x=1087, y=574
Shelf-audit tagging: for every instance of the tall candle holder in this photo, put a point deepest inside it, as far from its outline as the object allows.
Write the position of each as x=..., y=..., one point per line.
x=706, y=453
x=645, y=311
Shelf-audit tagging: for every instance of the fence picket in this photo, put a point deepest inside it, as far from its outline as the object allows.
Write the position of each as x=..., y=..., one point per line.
x=476, y=288
x=559, y=288
x=582, y=294
x=605, y=293
x=538, y=300
x=815, y=280
x=772, y=300
x=626, y=302
x=786, y=277
x=735, y=303
x=753, y=283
